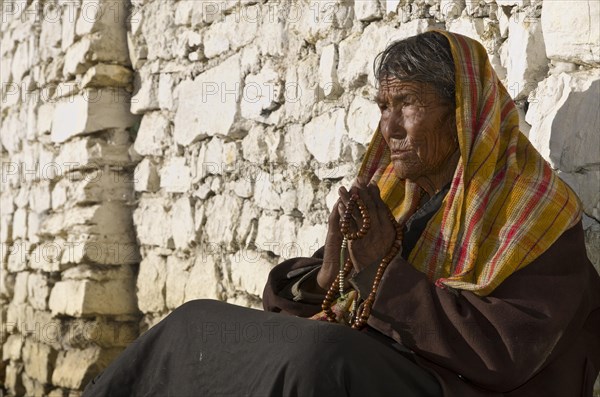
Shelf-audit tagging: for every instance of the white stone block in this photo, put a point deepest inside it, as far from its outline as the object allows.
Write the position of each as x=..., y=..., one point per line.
x=20, y=288
x=152, y=222
x=204, y=12
x=525, y=61
x=216, y=40
x=69, y=20
x=20, y=62
x=301, y=89
x=5, y=72
x=22, y=197
x=158, y=17
x=277, y=235
x=216, y=185
x=175, y=175
x=58, y=222
x=565, y=121
x=367, y=10
x=571, y=30
x=7, y=199
x=92, y=273
x=39, y=360
x=306, y=195
x=592, y=240
x=261, y=95
x=11, y=350
x=328, y=78
x=202, y=282
x=208, y=105
x=243, y=188
x=587, y=185
x=504, y=16
x=265, y=194
x=92, y=110
x=316, y=19
x=6, y=229
x=146, y=98
x=12, y=132
x=137, y=49
x=88, y=153
x=273, y=30
x=182, y=223
x=165, y=91
x=231, y=151
x=294, y=150
x=212, y=163
x=266, y=233
x=254, y=146
x=37, y=291
x=323, y=135
x=13, y=378
x=391, y=6
x=151, y=283
x=183, y=12
x=99, y=15
x=76, y=367
x=153, y=135
x=19, y=228
x=47, y=256
x=289, y=201
x=79, y=298
x=362, y=120
x=246, y=21
x=39, y=199
x=77, y=58
x=518, y=3
x=44, y=118
x=223, y=214
x=355, y=70
x=311, y=238
x=33, y=227
x=145, y=177
x=451, y=9
x=105, y=75
x=177, y=276
x=467, y=26
x=249, y=271
x=246, y=227
x=51, y=33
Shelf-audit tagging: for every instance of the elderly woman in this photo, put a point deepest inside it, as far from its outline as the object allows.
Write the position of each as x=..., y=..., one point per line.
x=454, y=266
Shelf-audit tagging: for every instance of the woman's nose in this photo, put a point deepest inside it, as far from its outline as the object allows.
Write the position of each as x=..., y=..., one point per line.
x=391, y=126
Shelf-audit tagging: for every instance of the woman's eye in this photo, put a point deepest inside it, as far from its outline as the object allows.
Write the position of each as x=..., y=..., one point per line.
x=410, y=100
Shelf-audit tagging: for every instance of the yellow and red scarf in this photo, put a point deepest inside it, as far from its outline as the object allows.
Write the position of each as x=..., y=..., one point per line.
x=505, y=206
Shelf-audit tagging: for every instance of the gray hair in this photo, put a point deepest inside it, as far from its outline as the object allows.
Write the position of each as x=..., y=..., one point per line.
x=425, y=58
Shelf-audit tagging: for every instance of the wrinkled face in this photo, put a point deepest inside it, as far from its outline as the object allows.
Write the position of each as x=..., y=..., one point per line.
x=418, y=126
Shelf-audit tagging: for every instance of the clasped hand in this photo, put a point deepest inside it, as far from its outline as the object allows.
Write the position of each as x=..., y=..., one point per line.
x=367, y=250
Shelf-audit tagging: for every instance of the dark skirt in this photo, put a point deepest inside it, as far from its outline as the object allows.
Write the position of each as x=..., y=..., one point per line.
x=211, y=348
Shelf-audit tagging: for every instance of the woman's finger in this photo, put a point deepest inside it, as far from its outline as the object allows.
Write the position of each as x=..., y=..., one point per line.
x=344, y=195
x=376, y=197
x=334, y=216
x=355, y=211
x=369, y=204
x=380, y=205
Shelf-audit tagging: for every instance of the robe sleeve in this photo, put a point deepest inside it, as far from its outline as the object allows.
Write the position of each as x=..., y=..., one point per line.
x=278, y=295
x=496, y=342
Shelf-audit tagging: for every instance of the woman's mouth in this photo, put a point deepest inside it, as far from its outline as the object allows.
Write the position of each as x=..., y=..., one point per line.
x=399, y=154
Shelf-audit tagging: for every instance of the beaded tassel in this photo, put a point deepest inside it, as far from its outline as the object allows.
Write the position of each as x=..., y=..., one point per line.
x=363, y=312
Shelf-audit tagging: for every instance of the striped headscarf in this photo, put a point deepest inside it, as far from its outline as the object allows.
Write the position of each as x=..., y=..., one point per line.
x=505, y=206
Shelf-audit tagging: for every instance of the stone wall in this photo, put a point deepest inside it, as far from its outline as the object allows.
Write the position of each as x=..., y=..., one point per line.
x=69, y=252
x=244, y=119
